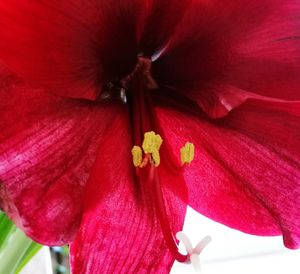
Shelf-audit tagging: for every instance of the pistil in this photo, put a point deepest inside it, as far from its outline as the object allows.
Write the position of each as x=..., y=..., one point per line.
x=150, y=148
x=137, y=88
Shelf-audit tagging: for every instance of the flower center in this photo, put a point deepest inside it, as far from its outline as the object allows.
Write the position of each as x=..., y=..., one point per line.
x=135, y=90
x=142, y=70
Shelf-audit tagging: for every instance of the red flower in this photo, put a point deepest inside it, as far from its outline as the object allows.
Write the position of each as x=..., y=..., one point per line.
x=224, y=75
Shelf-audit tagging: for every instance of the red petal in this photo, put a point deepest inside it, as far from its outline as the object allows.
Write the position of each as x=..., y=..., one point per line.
x=233, y=47
x=47, y=148
x=119, y=230
x=157, y=22
x=67, y=46
x=246, y=172
x=218, y=99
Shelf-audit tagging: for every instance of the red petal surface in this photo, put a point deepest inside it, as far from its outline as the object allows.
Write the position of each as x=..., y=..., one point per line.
x=119, y=231
x=230, y=47
x=157, y=22
x=47, y=148
x=67, y=46
x=52, y=44
x=246, y=172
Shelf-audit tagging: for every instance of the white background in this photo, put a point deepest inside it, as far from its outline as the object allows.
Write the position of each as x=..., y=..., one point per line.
x=234, y=252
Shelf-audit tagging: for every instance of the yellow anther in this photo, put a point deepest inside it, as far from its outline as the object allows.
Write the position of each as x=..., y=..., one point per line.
x=152, y=142
x=151, y=146
x=156, y=157
x=187, y=153
x=137, y=156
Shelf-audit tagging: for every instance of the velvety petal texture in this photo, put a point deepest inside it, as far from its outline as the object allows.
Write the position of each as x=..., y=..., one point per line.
x=47, y=148
x=246, y=172
x=66, y=171
x=222, y=52
x=120, y=232
x=158, y=20
x=52, y=44
x=68, y=47
x=73, y=48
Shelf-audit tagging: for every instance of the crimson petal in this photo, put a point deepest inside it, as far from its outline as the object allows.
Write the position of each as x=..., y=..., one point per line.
x=246, y=171
x=51, y=44
x=157, y=22
x=67, y=47
x=120, y=232
x=234, y=48
x=47, y=148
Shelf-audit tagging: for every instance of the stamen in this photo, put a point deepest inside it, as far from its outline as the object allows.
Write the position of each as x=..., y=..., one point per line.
x=193, y=252
x=156, y=158
x=150, y=148
x=152, y=142
x=187, y=153
x=137, y=156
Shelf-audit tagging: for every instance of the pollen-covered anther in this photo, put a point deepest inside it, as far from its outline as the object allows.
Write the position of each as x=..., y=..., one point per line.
x=151, y=146
x=137, y=156
x=187, y=153
x=152, y=142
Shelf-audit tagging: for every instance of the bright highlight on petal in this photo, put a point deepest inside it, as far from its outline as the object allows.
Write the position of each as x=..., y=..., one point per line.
x=137, y=156
x=187, y=153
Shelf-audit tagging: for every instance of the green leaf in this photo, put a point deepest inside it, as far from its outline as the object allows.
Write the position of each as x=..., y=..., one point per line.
x=13, y=251
x=66, y=250
x=30, y=252
x=16, y=249
x=6, y=227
